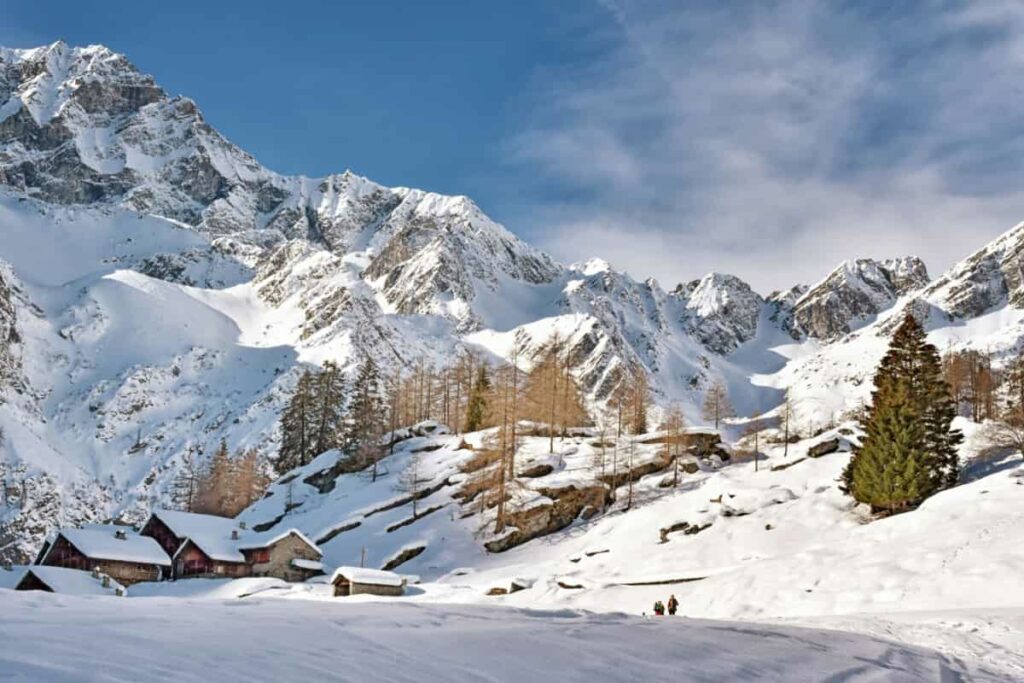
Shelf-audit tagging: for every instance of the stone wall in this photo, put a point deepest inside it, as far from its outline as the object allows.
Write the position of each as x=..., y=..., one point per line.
x=282, y=553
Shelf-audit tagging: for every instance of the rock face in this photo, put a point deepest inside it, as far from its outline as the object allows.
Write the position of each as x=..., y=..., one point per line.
x=566, y=505
x=9, y=337
x=84, y=126
x=990, y=277
x=853, y=293
x=721, y=311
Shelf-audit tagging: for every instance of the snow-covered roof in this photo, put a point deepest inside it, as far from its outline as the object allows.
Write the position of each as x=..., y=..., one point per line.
x=266, y=539
x=213, y=535
x=377, y=577
x=209, y=533
x=103, y=544
x=72, y=581
x=303, y=563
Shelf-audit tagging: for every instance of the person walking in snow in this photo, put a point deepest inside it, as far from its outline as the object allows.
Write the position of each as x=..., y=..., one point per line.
x=673, y=605
x=659, y=609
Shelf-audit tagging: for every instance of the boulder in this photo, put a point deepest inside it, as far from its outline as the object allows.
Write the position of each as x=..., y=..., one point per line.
x=541, y=470
x=823, y=448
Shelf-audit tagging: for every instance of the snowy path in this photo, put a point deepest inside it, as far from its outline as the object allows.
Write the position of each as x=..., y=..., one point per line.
x=63, y=638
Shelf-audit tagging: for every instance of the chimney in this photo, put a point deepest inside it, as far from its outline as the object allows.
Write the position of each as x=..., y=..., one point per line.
x=8, y=566
x=120, y=535
x=241, y=525
x=234, y=534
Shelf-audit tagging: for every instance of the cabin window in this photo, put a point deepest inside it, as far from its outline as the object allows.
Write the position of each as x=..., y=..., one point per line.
x=261, y=556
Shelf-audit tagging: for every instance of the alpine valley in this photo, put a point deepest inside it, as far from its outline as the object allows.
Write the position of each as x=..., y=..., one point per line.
x=161, y=290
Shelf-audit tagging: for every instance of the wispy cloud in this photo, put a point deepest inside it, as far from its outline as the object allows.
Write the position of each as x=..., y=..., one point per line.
x=775, y=139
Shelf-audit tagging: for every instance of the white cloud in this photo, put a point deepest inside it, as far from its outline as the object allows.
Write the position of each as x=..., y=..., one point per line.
x=773, y=140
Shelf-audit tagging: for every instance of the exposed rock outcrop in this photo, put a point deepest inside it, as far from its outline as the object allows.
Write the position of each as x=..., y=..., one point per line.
x=9, y=337
x=824, y=448
x=565, y=506
x=853, y=293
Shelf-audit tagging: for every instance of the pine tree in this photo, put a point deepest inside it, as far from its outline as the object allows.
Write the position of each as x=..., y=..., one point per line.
x=892, y=470
x=476, y=408
x=1015, y=381
x=367, y=415
x=328, y=400
x=297, y=426
x=909, y=450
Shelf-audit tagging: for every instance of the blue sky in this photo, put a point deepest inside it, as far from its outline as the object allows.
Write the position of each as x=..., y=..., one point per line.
x=766, y=139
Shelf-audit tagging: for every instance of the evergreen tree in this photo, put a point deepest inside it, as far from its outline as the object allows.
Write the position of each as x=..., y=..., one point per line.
x=328, y=401
x=476, y=408
x=909, y=451
x=297, y=426
x=367, y=415
x=892, y=470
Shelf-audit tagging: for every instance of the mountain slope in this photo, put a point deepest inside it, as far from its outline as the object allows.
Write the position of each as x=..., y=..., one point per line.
x=161, y=290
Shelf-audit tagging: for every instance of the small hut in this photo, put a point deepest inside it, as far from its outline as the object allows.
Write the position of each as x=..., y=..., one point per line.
x=357, y=580
x=68, y=581
x=288, y=555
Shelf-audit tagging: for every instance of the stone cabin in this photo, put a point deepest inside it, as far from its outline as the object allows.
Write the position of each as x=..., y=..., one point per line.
x=124, y=556
x=360, y=581
x=211, y=546
x=288, y=555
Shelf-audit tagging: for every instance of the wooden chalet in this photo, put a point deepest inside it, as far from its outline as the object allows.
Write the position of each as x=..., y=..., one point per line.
x=115, y=551
x=199, y=545
x=210, y=546
x=360, y=581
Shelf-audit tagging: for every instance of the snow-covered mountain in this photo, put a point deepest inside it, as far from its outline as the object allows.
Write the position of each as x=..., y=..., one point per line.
x=161, y=289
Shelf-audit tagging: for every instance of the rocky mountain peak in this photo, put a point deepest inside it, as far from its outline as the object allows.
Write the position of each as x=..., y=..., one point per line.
x=986, y=279
x=720, y=310
x=853, y=293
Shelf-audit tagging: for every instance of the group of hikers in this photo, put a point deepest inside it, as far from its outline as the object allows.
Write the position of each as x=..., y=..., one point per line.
x=659, y=607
